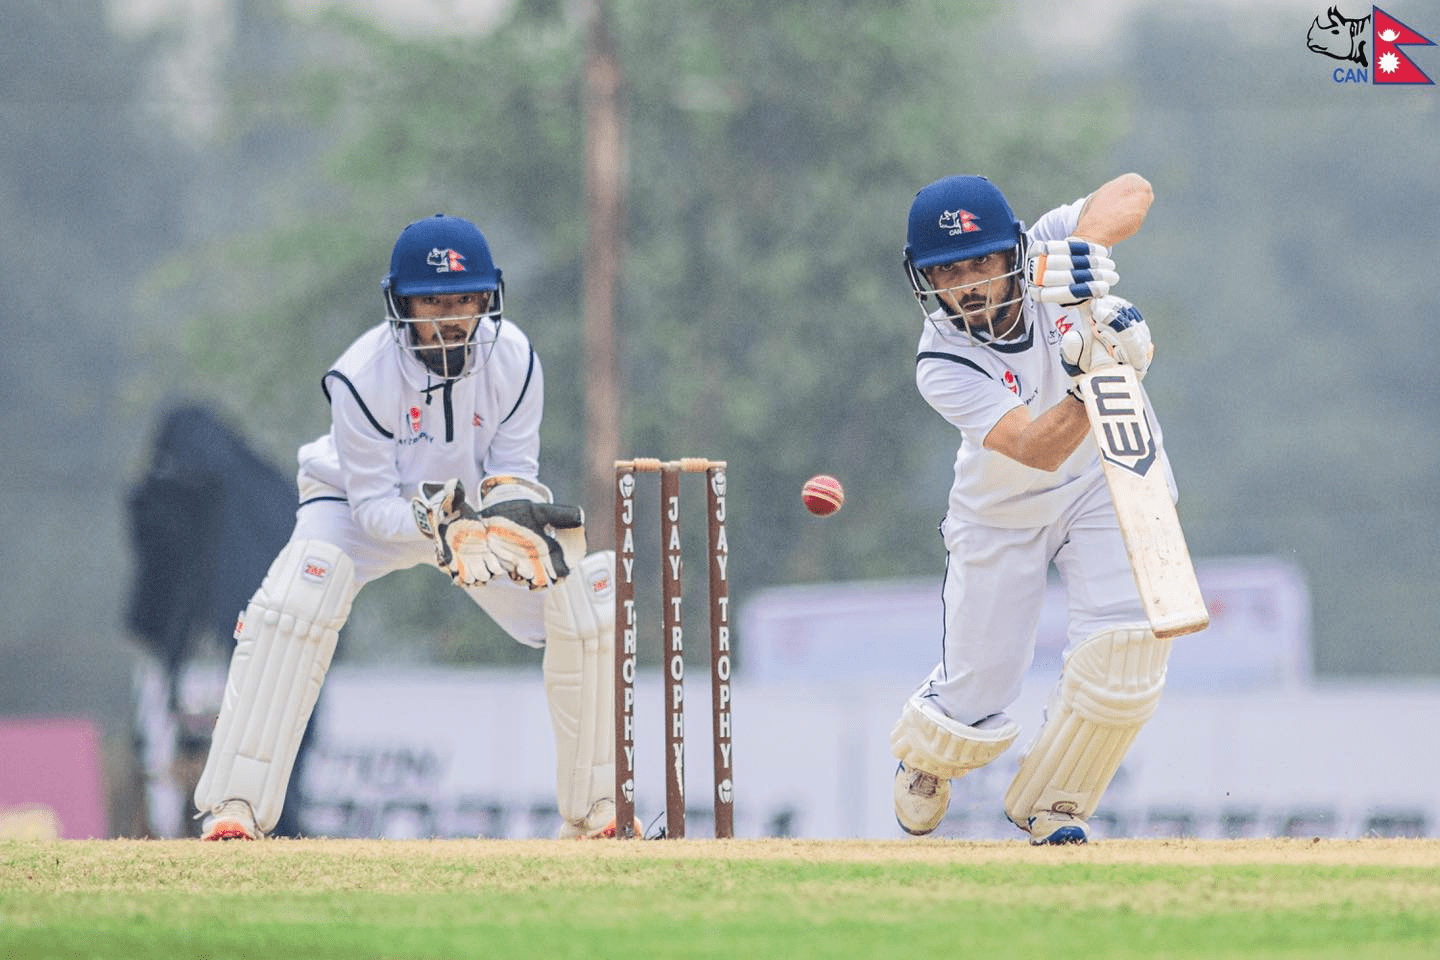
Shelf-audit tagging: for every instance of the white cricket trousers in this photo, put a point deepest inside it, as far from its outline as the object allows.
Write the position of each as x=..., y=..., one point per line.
x=995, y=580
x=518, y=610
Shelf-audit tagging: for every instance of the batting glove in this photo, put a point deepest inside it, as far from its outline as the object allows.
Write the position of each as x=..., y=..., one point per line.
x=1069, y=271
x=1124, y=333
x=1108, y=331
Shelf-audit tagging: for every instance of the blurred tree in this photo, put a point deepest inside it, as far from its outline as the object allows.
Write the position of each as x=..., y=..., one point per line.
x=85, y=202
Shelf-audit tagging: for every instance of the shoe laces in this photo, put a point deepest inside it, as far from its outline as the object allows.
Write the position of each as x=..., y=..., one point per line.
x=924, y=784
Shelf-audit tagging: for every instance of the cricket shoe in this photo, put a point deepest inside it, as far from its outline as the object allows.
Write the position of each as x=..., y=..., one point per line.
x=607, y=832
x=921, y=800
x=1049, y=828
x=232, y=820
x=599, y=824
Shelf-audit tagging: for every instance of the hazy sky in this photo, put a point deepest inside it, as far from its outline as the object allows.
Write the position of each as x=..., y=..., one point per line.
x=185, y=90
x=411, y=16
x=1086, y=24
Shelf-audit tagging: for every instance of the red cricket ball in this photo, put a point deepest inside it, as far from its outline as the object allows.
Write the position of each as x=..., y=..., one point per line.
x=823, y=495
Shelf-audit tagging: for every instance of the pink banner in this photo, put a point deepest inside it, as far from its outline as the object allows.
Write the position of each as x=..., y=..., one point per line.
x=50, y=783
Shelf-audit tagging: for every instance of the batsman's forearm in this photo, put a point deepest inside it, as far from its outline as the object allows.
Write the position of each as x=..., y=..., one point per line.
x=1045, y=442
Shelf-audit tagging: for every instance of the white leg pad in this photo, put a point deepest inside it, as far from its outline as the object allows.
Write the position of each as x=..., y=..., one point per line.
x=1109, y=687
x=579, y=670
x=926, y=739
x=284, y=642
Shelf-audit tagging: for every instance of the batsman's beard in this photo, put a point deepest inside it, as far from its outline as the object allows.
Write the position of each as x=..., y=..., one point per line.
x=987, y=320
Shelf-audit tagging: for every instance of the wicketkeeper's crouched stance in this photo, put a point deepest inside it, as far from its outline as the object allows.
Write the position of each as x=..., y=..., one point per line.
x=443, y=398
x=1003, y=342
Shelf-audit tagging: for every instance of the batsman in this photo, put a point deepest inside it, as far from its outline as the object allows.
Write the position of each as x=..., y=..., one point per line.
x=1013, y=319
x=432, y=458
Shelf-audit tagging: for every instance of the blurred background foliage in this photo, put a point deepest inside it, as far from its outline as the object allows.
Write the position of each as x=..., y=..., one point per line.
x=758, y=316
x=226, y=242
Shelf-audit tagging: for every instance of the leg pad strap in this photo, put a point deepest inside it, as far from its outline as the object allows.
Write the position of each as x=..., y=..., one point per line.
x=926, y=739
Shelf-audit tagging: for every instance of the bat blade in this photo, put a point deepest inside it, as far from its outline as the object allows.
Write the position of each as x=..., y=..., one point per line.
x=1130, y=459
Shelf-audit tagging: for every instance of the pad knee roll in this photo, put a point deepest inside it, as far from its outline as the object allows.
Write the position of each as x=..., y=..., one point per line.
x=284, y=643
x=926, y=739
x=579, y=668
x=1109, y=687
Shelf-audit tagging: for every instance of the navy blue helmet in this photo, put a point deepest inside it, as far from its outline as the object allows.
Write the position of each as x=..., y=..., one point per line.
x=438, y=256
x=962, y=218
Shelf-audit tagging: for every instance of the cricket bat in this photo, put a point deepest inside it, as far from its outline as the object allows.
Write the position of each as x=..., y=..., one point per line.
x=1130, y=459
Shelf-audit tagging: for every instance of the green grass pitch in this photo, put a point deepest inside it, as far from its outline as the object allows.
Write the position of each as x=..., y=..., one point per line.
x=451, y=899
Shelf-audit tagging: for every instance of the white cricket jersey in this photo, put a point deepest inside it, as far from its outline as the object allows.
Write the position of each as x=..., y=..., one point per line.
x=393, y=425
x=973, y=386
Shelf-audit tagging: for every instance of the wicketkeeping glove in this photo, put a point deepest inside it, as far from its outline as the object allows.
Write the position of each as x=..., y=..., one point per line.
x=519, y=519
x=1069, y=271
x=461, y=540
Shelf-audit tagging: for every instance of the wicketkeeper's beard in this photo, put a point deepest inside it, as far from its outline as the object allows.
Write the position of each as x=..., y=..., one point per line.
x=445, y=362
x=442, y=351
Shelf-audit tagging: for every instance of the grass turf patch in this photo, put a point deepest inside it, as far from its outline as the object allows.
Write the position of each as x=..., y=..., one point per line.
x=457, y=899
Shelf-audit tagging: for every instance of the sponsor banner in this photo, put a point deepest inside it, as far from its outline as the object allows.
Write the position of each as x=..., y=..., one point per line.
x=1258, y=638
x=1245, y=742
x=421, y=753
x=50, y=780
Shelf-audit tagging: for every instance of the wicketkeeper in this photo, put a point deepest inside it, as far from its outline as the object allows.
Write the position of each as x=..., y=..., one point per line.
x=1003, y=339
x=432, y=458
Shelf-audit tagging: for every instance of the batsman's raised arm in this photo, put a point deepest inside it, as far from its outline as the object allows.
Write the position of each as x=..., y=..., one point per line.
x=1116, y=210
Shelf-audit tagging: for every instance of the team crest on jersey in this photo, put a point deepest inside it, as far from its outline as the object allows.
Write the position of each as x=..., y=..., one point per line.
x=415, y=423
x=446, y=261
x=1012, y=382
x=959, y=221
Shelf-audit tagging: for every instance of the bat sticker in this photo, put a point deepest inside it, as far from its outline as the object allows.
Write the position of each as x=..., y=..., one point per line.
x=1126, y=439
